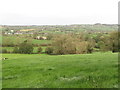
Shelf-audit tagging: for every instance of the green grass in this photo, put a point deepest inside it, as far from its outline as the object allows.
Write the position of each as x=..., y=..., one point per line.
x=61, y=71
x=19, y=39
x=34, y=41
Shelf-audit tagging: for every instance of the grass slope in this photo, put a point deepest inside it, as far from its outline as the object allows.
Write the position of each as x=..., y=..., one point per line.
x=61, y=71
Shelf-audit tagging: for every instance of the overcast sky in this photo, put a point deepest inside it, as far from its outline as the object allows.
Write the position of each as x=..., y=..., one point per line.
x=57, y=12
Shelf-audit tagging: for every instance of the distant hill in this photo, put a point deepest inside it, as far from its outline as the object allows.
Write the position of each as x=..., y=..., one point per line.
x=62, y=28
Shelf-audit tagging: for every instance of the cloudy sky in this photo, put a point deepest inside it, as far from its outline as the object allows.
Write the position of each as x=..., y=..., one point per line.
x=57, y=12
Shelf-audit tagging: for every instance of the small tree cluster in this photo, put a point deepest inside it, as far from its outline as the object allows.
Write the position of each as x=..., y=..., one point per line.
x=39, y=50
x=3, y=51
x=49, y=50
x=16, y=50
x=110, y=42
x=24, y=48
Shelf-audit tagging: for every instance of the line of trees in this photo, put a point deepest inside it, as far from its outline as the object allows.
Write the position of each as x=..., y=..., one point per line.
x=82, y=43
x=75, y=44
x=24, y=48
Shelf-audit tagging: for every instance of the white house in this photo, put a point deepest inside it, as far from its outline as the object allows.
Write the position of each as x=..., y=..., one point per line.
x=12, y=31
x=44, y=38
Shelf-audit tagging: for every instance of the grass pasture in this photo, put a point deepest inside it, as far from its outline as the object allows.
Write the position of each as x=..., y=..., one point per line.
x=16, y=40
x=97, y=70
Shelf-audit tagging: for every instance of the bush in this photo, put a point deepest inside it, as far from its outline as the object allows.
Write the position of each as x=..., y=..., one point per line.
x=81, y=47
x=16, y=50
x=64, y=44
x=49, y=50
x=110, y=42
x=26, y=48
x=39, y=50
x=49, y=37
x=90, y=46
x=4, y=50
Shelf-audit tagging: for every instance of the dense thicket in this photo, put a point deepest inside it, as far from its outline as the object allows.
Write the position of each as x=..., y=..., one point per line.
x=71, y=44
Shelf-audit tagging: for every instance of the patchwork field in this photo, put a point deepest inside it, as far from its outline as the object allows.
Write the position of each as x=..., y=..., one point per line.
x=97, y=70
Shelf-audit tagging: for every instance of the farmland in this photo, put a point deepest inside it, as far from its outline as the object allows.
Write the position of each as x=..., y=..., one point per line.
x=97, y=70
x=60, y=56
x=18, y=39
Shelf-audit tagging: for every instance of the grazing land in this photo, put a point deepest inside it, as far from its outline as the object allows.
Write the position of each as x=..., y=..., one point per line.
x=97, y=70
x=19, y=39
x=60, y=56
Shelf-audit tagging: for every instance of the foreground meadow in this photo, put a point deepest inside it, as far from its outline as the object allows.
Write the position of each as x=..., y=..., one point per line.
x=97, y=70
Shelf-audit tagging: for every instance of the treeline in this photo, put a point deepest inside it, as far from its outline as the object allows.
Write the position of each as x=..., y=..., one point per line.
x=83, y=43
x=24, y=48
x=75, y=44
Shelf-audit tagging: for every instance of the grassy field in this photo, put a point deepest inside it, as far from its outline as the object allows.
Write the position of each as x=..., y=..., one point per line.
x=19, y=39
x=34, y=41
x=97, y=70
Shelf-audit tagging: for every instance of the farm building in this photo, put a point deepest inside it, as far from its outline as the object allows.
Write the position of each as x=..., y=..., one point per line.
x=41, y=38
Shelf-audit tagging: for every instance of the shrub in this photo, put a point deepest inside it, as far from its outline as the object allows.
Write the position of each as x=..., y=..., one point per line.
x=81, y=47
x=49, y=50
x=39, y=50
x=90, y=46
x=26, y=48
x=64, y=44
x=49, y=37
x=4, y=50
x=16, y=50
x=0, y=50
x=110, y=42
